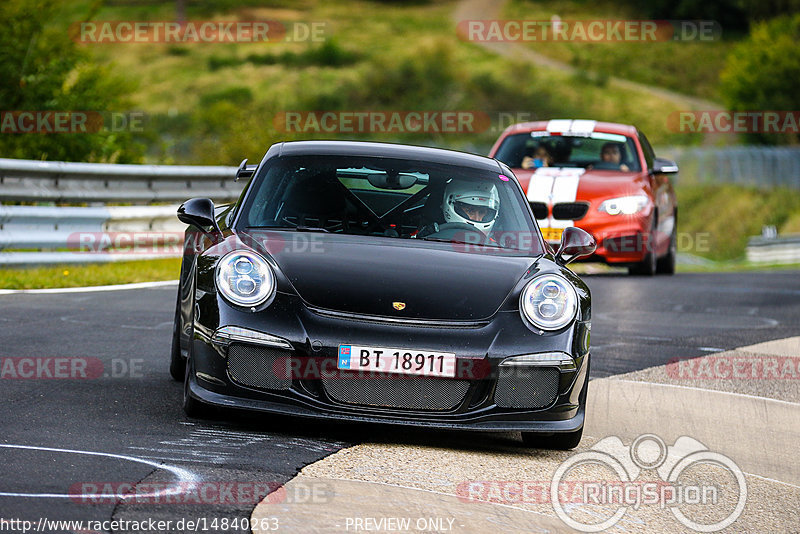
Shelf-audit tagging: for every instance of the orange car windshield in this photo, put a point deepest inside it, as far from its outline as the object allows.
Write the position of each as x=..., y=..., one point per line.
x=601, y=151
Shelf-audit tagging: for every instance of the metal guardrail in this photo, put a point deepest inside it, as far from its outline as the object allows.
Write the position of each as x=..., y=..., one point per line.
x=759, y=166
x=59, y=234
x=784, y=249
x=54, y=228
x=64, y=182
x=44, y=227
x=88, y=235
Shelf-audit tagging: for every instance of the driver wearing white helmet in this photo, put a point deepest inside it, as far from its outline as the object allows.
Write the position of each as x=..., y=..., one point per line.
x=472, y=203
x=466, y=205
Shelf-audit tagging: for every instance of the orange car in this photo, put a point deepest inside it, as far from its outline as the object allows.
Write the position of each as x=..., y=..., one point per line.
x=602, y=177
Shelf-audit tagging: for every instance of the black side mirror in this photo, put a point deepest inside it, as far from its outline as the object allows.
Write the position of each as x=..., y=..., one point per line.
x=245, y=170
x=664, y=166
x=198, y=212
x=575, y=243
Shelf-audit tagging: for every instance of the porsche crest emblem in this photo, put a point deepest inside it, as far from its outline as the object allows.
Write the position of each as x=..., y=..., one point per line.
x=399, y=306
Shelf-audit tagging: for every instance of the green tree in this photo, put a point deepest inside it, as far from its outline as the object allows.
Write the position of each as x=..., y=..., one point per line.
x=762, y=72
x=42, y=69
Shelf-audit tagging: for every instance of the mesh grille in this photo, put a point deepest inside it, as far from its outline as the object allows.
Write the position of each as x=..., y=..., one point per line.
x=539, y=210
x=259, y=367
x=413, y=393
x=570, y=210
x=526, y=387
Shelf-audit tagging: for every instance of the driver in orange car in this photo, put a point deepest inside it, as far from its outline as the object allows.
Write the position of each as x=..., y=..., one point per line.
x=610, y=153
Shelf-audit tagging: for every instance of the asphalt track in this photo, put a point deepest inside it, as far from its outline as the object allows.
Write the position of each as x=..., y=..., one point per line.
x=129, y=413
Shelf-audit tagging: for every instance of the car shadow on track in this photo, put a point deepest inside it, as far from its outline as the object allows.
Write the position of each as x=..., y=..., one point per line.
x=351, y=433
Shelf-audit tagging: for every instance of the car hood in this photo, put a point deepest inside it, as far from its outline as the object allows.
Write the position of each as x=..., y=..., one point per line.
x=354, y=274
x=567, y=184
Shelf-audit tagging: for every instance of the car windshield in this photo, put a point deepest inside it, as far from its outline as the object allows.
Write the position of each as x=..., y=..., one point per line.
x=569, y=151
x=391, y=198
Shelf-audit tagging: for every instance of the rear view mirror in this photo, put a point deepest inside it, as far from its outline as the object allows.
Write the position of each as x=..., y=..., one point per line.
x=198, y=212
x=575, y=243
x=392, y=180
x=664, y=166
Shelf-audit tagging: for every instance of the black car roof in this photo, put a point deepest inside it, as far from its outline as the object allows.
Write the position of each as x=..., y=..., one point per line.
x=386, y=150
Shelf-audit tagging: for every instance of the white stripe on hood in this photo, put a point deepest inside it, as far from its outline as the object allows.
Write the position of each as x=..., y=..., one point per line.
x=553, y=185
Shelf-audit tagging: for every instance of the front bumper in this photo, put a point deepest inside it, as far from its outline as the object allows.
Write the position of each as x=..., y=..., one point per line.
x=480, y=423
x=620, y=239
x=311, y=340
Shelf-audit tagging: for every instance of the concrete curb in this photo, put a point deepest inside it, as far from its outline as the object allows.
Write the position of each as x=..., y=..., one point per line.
x=758, y=434
x=119, y=287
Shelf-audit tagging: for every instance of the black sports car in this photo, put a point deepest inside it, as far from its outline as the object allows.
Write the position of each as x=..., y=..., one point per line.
x=383, y=283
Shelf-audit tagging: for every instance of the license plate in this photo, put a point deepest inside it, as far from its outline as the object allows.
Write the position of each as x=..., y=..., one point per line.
x=552, y=234
x=402, y=361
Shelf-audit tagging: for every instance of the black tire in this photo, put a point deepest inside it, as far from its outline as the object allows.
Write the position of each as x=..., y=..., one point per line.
x=666, y=265
x=562, y=441
x=647, y=267
x=177, y=363
x=192, y=407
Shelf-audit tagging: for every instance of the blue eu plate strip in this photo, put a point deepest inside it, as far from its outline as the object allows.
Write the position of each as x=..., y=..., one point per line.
x=344, y=357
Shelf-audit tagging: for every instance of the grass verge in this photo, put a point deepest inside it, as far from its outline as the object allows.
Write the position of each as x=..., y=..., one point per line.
x=374, y=56
x=737, y=266
x=90, y=275
x=715, y=221
x=690, y=67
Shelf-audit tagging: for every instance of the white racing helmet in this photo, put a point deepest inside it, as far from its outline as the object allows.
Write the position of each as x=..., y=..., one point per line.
x=474, y=203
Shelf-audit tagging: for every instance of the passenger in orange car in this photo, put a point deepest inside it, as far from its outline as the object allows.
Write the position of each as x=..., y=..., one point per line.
x=539, y=158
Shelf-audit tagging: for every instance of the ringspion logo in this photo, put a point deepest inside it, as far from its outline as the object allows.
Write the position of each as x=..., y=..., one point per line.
x=683, y=484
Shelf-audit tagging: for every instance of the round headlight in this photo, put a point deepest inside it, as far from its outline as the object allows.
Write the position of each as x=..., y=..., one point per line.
x=549, y=302
x=245, y=278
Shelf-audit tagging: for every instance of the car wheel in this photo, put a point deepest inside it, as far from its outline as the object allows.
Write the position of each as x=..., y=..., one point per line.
x=191, y=406
x=177, y=363
x=561, y=441
x=666, y=265
x=647, y=267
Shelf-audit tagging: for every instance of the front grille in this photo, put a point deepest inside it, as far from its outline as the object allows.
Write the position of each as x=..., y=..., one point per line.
x=411, y=393
x=260, y=367
x=526, y=387
x=570, y=210
x=539, y=210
